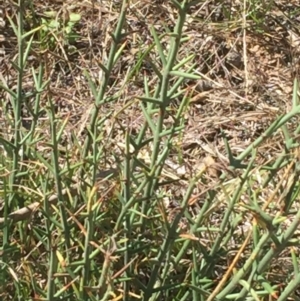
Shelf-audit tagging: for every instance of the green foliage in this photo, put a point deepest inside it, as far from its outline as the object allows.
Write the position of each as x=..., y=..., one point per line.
x=71, y=230
x=56, y=28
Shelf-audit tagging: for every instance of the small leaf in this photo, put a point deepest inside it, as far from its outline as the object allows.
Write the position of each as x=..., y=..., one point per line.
x=74, y=17
x=50, y=14
x=185, y=75
x=53, y=24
